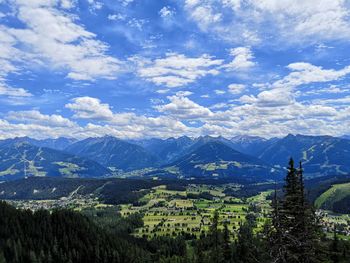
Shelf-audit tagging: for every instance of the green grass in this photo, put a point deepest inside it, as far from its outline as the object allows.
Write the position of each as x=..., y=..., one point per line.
x=336, y=193
x=166, y=214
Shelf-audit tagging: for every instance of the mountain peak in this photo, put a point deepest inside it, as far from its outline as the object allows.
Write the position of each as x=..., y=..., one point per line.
x=219, y=159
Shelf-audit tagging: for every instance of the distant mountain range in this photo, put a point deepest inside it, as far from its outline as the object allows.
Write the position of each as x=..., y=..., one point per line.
x=112, y=152
x=56, y=144
x=21, y=159
x=252, y=145
x=205, y=156
x=215, y=158
x=319, y=154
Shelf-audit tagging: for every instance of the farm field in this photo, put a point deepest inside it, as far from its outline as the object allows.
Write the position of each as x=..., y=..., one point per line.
x=170, y=212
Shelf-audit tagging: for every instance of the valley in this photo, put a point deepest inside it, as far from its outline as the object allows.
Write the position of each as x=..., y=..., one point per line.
x=188, y=210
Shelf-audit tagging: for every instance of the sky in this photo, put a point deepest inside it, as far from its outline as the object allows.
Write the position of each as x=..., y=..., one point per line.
x=167, y=68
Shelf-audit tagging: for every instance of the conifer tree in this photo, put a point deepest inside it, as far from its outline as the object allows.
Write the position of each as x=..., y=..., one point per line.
x=226, y=243
x=334, y=249
x=295, y=234
x=215, y=235
x=246, y=246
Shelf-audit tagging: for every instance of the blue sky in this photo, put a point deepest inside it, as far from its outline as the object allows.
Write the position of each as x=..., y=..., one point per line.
x=153, y=68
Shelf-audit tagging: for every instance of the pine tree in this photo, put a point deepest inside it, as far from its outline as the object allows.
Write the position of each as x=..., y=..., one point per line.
x=246, y=246
x=214, y=234
x=275, y=232
x=2, y=257
x=226, y=243
x=295, y=235
x=334, y=249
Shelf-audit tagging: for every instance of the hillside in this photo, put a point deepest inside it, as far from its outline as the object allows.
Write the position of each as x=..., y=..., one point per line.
x=320, y=154
x=251, y=145
x=112, y=152
x=112, y=191
x=21, y=159
x=335, y=198
x=167, y=150
x=219, y=160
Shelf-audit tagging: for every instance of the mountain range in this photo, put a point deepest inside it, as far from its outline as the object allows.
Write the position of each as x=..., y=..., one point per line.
x=21, y=159
x=205, y=156
x=112, y=152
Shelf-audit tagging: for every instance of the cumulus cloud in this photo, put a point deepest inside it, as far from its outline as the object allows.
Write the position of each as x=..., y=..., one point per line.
x=306, y=73
x=183, y=108
x=235, y=88
x=205, y=15
x=54, y=37
x=283, y=91
x=128, y=124
x=175, y=70
x=35, y=117
x=13, y=92
x=90, y=108
x=277, y=22
x=242, y=59
x=267, y=114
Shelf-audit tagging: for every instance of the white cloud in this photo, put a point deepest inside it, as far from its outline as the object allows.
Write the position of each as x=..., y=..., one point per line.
x=11, y=130
x=268, y=114
x=271, y=98
x=272, y=21
x=183, y=108
x=219, y=92
x=306, y=73
x=95, y=5
x=325, y=19
x=126, y=2
x=9, y=56
x=184, y=93
x=13, y=92
x=203, y=14
x=55, y=38
x=283, y=91
x=177, y=70
x=116, y=17
x=219, y=106
x=36, y=117
x=242, y=59
x=166, y=11
x=90, y=108
x=123, y=124
x=235, y=88
x=163, y=91
x=68, y=4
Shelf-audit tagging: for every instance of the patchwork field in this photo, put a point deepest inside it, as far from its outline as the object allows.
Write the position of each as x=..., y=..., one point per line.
x=168, y=212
